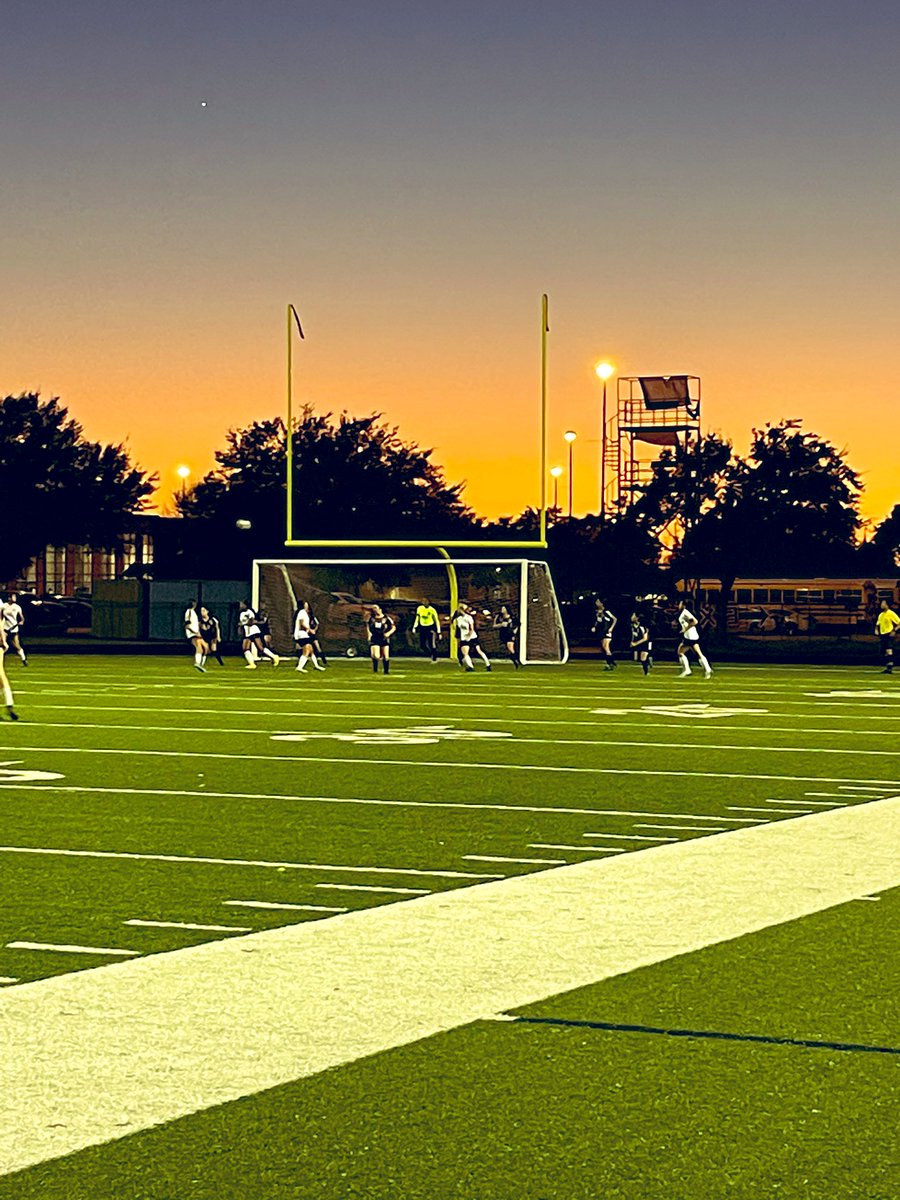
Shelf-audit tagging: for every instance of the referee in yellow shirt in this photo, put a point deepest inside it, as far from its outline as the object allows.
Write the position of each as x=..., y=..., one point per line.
x=428, y=623
x=885, y=624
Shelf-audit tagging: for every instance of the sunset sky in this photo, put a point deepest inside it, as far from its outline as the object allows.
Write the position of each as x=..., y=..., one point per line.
x=701, y=187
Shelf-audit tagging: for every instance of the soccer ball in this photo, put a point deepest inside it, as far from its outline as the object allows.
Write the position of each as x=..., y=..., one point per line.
x=350, y=652
x=242, y=523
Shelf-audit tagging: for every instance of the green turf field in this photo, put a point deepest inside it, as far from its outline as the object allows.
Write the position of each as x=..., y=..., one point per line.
x=148, y=808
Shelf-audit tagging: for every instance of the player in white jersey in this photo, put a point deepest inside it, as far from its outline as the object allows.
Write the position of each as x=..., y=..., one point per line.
x=13, y=619
x=690, y=640
x=252, y=637
x=304, y=638
x=467, y=636
x=193, y=634
x=4, y=682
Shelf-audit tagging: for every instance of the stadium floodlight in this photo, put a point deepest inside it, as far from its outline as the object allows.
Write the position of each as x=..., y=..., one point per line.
x=604, y=371
x=292, y=321
x=556, y=472
x=570, y=435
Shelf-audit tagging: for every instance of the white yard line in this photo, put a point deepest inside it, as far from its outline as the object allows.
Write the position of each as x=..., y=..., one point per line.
x=65, y=949
x=527, y=862
x=685, y=828
x=813, y=803
x=273, y=904
x=368, y=887
x=196, y=859
x=774, y=812
x=102, y=1053
x=381, y=763
x=630, y=837
x=580, y=849
x=188, y=925
x=4, y=979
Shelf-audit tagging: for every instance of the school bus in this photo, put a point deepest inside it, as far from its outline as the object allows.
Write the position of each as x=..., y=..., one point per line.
x=786, y=607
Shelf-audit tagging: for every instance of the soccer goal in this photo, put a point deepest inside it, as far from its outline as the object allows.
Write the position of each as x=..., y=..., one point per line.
x=340, y=593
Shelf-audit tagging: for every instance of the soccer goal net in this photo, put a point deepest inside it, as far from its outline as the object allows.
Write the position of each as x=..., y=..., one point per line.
x=340, y=594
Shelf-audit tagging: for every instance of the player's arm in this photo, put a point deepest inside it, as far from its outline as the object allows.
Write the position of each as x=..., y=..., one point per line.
x=391, y=627
x=613, y=622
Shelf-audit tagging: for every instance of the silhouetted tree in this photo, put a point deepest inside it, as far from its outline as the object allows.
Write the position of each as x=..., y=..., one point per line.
x=886, y=541
x=353, y=477
x=60, y=487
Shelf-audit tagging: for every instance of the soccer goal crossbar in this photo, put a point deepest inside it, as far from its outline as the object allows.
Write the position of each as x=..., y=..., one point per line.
x=340, y=594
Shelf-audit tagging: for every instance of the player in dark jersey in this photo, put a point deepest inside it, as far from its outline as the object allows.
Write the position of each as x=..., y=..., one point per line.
x=604, y=624
x=211, y=633
x=379, y=630
x=508, y=632
x=641, y=643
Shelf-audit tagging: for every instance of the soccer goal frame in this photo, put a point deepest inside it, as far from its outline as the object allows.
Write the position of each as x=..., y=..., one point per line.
x=539, y=615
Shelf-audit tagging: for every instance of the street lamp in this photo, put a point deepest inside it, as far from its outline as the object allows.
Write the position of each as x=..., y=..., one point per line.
x=183, y=473
x=570, y=435
x=604, y=371
x=556, y=472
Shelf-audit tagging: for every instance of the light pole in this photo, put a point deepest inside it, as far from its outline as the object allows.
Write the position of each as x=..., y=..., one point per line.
x=183, y=473
x=570, y=435
x=604, y=371
x=556, y=472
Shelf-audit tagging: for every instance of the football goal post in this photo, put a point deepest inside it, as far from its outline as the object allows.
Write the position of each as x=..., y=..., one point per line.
x=340, y=593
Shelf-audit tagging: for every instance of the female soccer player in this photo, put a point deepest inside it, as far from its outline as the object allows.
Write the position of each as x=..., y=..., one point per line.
x=379, y=630
x=641, y=642
x=193, y=634
x=253, y=637
x=690, y=640
x=13, y=620
x=428, y=626
x=211, y=633
x=508, y=631
x=4, y=682
x=604, y=624
x=304, y=637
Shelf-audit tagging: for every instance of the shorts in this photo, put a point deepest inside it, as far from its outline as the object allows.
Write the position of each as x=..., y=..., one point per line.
x=378, y=639
x=252, y=631
x=886, y=641
x=692, y=643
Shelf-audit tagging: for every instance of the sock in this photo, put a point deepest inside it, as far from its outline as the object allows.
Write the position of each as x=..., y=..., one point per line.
x=248, y=654
x=386, y=665
x=375, y=665
x=685, y=665
x=7, y=694
x=198, y=659
x=21, y=653
x=645, y=666
x=270, y=654
x=219, y=659
x=203, y=658
x=704, y=663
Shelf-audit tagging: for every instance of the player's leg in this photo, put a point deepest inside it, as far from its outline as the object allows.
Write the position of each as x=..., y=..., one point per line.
x=247, y=649
x=7, y=690
x=887, y=643
x=481, y=654
x=704, y=662
x=683, y=659
x=197, y=644
x=606, y=647
x=512, y=651
x=17, y=646
x=386, y=658
x=265, y=652
x=376, y=654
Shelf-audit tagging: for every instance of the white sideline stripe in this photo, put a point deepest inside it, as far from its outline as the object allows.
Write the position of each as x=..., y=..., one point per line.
x=63, y=949
x=8, y=979
x=188, y=925
x=369, y=887
x=274, y=904
x=515, y=808
x=867, y=898
x=686, y=828
x=580, y=849
x=96, y=1049
x=863, y=787
x=236, y=862
x=499, y=858
x=775, y=812
x=631, y=837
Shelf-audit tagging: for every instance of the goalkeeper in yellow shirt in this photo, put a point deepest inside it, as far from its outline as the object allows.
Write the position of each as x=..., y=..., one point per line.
x=885, y=624
x=428, y=624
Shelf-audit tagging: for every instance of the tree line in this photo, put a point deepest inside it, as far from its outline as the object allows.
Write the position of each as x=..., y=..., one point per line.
x=789, y=508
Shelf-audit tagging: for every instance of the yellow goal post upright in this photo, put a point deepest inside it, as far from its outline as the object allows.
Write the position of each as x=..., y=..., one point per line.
x=276, y=584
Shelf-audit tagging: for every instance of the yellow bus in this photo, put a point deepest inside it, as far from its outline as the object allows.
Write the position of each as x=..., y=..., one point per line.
x=786, y=607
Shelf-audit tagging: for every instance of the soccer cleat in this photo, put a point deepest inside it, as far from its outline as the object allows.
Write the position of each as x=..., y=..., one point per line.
x=300, y=669
x=275, y=661
x=707, y=675
x=251, y=666
x=683, y=674
x=13, y=715
x=488, y=667
x=318, y=667
x=199, y=668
